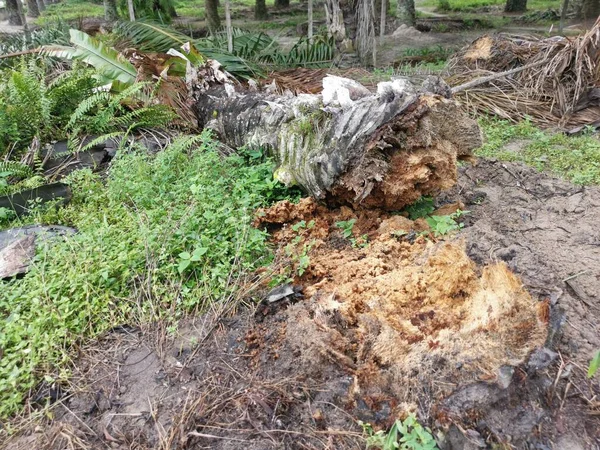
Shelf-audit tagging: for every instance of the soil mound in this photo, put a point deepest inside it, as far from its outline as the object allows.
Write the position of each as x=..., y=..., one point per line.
x=391, y=321
x=397, y=314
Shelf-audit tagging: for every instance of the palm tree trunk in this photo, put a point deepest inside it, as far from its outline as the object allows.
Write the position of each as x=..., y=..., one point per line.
x=110, y=10
x=334, y=19
x=405, y=12
x=365, y=153
x=515, y=6
x=310, y=20
x=382, y=19
x=131, y=10
x=590, y=9
x=32, y=8
x=12, y=8
x=228, y=26
x=212, y=15
x=260, y=10
x=563, y=15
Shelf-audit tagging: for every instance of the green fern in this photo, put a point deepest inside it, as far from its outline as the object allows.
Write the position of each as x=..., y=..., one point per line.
x=31, y=106
x=15, y=169
x=117, y=114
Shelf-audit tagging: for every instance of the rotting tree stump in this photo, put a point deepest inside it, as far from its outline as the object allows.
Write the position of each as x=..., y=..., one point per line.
x=347, y=145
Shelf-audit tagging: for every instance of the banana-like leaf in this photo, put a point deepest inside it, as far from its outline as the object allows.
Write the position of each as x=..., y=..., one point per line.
x=107, y=61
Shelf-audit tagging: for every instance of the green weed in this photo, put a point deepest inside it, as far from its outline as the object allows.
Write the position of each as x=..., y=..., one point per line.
x=466, y=5
x=407, y=434
x=126, y=263
x=594, y=365
x=346, y=226
x=443, y=225
x=575, y=158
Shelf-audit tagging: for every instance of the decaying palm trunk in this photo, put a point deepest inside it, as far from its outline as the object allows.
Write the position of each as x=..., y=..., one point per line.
x=348, y=145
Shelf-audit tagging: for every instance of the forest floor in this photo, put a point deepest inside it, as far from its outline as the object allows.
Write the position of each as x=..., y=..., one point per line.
x=290, y=374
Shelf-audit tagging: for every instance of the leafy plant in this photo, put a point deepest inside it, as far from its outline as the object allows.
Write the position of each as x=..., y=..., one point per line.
x=442, y=225
x=109, y=63
x=116, y=115
x=31, y=106
x=56, y=32
x=421, y=208
x=346, y=226
x=594, y=365
x=161, y=10
x=125, y=263
x=408, y=434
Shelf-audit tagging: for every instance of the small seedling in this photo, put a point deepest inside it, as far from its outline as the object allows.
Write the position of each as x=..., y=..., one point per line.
x=346, y=226
x=594, y=365
x=408, y=434
x=442, y=225
x=421, y=208
x=186, y=259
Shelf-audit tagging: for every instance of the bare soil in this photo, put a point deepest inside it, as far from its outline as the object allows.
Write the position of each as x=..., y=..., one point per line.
x=485, y=335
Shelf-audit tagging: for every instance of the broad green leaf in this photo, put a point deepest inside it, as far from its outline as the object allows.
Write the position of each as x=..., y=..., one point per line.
x=110, y=64
x=183, y=264
x=197, y=254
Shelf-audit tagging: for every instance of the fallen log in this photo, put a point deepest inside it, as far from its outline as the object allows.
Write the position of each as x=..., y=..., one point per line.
x=20, y=202
x=348, y=146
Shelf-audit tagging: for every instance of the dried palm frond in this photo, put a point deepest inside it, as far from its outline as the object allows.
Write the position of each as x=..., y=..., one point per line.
x=559, y=86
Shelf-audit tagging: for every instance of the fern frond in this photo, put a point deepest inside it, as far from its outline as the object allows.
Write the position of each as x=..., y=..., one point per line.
x=103, y=138
x=15, y=169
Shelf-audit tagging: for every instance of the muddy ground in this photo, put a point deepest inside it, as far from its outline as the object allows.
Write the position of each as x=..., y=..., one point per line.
x=298, y=373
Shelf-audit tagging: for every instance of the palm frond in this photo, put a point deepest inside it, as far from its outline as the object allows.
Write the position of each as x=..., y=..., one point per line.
x=151, y=36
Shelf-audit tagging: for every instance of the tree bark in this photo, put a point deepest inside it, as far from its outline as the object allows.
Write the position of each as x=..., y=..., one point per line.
x=228, y=26
x=382, y=18
x=590, y=9
x=131, y=10
x=563, y=16
x=282, y=3
x=515, y=6
x=405, y=12
x=310, y=20
x=347, y=146
x=334, y=18
x=12, y=8
x=110, y=10
x=212, y=15
x=32, y=8
x=260, y=10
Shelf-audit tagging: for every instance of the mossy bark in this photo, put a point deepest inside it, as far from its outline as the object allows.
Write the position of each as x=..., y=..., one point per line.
x=348, y=146
x=32, y=8
x=110, y=10
x=515, y=6
x=14, y=16
x=405, y=12
x=212, y=15
x=260, y=10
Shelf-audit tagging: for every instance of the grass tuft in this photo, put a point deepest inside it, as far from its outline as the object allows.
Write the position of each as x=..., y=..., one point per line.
x=575, y=158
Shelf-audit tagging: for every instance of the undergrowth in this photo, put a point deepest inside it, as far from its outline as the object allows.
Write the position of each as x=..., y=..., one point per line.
x=407, y=434
x=124, y=266
x=575, y=158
